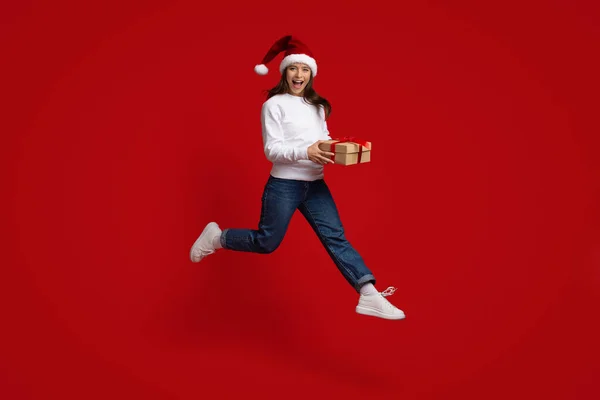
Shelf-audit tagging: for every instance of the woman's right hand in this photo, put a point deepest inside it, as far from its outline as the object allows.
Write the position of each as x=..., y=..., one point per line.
x=317, y=155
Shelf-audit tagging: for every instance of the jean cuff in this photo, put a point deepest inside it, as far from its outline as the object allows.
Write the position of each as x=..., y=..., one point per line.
x=223, y=238
x=363, y=280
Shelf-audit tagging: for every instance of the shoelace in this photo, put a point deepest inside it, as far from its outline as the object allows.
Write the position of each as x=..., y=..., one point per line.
x=388, y=292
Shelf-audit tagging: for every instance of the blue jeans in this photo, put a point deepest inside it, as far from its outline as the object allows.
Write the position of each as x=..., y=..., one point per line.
x=281, y=198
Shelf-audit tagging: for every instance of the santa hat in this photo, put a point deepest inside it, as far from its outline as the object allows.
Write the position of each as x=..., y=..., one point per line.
x=295, y=52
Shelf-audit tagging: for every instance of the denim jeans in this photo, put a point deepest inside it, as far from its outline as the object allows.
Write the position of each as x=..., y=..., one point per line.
x=280, y=199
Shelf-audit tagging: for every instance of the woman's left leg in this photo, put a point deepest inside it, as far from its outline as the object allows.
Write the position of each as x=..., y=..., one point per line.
x=320, y=211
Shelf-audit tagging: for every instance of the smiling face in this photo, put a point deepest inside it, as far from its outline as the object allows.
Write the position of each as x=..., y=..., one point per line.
x=297, y=76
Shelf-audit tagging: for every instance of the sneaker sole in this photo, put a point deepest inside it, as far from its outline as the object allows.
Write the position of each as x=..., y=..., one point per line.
x=206, y=228
x=374, y=313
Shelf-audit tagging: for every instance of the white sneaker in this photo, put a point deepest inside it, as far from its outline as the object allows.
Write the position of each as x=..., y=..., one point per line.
x=204, y=244
x=376, y=305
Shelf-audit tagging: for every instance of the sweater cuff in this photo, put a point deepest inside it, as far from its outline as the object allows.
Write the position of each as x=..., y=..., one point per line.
x=304, y=153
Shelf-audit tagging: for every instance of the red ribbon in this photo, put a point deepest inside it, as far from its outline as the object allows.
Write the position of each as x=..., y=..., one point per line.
x=351, y=139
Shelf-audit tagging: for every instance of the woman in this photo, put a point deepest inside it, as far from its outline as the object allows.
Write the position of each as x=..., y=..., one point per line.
x=293, y=124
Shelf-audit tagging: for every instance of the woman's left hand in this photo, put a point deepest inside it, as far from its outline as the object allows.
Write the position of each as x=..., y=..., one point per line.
x=315, y=154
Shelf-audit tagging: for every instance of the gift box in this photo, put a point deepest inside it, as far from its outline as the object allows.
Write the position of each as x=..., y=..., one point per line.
x=348, y=151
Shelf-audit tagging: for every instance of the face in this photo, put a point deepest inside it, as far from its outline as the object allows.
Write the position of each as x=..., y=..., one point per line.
x=297, y=76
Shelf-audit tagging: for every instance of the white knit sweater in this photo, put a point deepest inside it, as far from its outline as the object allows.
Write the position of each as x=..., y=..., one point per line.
x=289, y=126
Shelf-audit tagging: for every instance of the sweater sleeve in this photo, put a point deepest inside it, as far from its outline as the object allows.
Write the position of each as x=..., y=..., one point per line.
x=275, y=149
x=325, y=128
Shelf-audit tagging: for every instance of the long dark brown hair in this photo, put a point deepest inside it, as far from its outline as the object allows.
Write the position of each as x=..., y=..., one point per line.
x=310, y=95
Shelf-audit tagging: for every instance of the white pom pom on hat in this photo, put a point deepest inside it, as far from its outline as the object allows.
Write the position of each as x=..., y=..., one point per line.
x=261, y=69
x=295, y=52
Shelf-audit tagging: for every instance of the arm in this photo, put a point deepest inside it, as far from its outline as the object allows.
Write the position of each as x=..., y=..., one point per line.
x=274, y=147
x=325, y=129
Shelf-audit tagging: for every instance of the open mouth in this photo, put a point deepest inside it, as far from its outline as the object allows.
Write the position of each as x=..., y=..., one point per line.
x=297, y=83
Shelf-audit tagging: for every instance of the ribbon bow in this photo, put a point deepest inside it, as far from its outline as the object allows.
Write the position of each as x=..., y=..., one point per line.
x=351, y=139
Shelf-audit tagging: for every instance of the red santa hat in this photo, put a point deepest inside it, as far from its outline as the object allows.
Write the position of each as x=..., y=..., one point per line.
x=295, y=52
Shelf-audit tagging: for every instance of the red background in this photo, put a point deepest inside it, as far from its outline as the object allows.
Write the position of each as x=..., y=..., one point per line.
x=127, y=126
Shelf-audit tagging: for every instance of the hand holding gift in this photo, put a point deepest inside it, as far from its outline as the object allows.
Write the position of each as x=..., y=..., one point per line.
x=318, y=155
x=348, y=150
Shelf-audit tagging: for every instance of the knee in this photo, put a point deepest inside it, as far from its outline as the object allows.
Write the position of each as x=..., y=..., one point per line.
x=333, y=235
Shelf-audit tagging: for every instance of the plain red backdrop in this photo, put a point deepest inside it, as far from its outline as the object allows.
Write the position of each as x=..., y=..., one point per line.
x=127, y=126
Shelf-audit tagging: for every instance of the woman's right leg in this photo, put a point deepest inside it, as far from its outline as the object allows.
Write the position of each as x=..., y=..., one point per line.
x=280, y=200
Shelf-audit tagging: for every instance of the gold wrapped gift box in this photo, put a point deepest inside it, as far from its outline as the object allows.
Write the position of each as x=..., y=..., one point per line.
x=348, y=152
